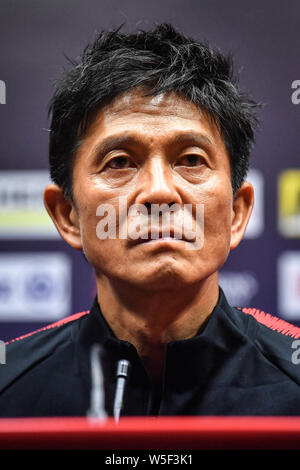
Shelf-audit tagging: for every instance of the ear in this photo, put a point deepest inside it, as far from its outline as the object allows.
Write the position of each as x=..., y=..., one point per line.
x=64, y=215
x=241, y=211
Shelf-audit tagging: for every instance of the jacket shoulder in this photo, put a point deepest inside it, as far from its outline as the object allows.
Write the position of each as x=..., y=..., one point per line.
x=275, y=338
x=24, y=352
x=272, y=322
x=51, y=327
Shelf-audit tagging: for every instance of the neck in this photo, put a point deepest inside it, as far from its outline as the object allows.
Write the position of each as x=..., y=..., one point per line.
x=150, y=320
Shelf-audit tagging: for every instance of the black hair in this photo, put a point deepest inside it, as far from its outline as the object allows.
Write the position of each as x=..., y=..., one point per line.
x=160, y=60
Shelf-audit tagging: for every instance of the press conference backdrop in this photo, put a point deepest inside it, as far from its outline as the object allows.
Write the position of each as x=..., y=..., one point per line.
x=41, y=278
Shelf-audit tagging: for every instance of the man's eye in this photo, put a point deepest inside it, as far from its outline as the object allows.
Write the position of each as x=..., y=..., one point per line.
x=191, y=160
x=119, y=163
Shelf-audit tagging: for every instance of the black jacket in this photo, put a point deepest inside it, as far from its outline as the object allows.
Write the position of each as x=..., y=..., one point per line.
x=239, y=363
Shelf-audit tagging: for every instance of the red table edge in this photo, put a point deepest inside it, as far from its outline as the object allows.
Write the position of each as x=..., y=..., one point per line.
x=204, y=432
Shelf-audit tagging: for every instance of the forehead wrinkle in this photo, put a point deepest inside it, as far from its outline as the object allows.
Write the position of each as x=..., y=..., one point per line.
x=155, y=110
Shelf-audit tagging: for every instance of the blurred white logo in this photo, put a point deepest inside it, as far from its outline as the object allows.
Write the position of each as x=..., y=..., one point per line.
x=239, y=287
x=289, y=285
x=35, y=287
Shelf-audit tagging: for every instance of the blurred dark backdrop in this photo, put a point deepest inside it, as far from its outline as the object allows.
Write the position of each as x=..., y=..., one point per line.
x=38, y=271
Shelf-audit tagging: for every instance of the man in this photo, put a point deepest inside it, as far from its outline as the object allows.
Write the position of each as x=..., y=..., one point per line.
x=153, y=120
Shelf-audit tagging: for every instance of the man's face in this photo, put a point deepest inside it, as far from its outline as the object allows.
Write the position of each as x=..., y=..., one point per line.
x=153, y=150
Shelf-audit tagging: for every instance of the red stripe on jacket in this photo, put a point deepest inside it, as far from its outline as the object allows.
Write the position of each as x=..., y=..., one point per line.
x=65, y=320
x=274, y=323
x=270, y=321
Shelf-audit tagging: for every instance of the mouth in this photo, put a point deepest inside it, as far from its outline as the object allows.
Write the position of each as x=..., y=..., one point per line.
x=159, y=237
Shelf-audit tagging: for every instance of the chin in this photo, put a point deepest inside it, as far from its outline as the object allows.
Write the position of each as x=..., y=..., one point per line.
x=164, y=278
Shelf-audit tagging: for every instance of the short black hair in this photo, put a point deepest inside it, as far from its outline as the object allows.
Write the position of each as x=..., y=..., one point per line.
x=160, y=60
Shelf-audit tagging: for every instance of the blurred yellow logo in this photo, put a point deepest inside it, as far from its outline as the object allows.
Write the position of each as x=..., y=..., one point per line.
x=289, y=203
x=22, y=211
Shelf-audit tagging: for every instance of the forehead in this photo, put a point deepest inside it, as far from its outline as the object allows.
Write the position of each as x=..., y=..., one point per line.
x=154, y=121
x=136, y=101
x=164, y=111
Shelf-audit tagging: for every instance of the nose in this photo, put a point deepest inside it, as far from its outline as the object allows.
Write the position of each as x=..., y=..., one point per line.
x=157, y=185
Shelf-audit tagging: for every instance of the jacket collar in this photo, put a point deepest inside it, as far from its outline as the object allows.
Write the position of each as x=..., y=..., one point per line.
x=96, y=330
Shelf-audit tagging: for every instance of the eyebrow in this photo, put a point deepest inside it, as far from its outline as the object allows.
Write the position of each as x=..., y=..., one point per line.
x=118, y=141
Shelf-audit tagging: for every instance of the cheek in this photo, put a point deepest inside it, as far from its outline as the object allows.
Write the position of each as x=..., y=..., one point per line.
x=218, y=214
x=217, y=217
x=87, y=204
x=103, y=254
